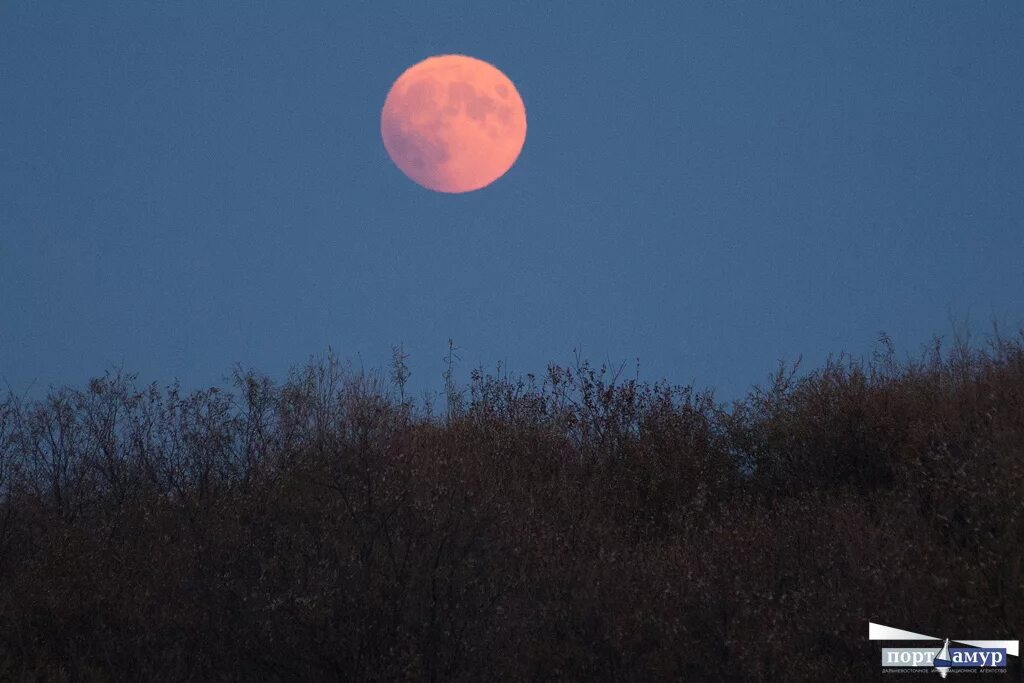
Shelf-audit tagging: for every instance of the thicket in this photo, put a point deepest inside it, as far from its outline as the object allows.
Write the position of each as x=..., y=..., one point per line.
x=579, y=525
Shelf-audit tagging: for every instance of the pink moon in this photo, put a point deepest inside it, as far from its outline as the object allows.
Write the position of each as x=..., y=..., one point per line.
x=453, y=123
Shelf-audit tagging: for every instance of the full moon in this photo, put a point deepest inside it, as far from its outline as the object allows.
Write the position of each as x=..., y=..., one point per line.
x=453, y=123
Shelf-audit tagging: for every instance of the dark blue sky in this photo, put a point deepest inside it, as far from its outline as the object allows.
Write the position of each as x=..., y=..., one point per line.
x=707, y=186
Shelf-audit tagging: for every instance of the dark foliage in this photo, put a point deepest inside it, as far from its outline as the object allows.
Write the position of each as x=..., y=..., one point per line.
x=581, y=526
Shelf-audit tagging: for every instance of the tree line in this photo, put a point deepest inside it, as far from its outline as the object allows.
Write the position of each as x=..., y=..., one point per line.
x=576, y=525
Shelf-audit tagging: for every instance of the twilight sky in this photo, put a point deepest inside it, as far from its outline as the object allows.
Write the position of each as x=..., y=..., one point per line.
x=707, y=186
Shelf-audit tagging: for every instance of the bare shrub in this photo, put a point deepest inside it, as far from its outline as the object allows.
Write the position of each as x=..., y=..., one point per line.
x=579, y=525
